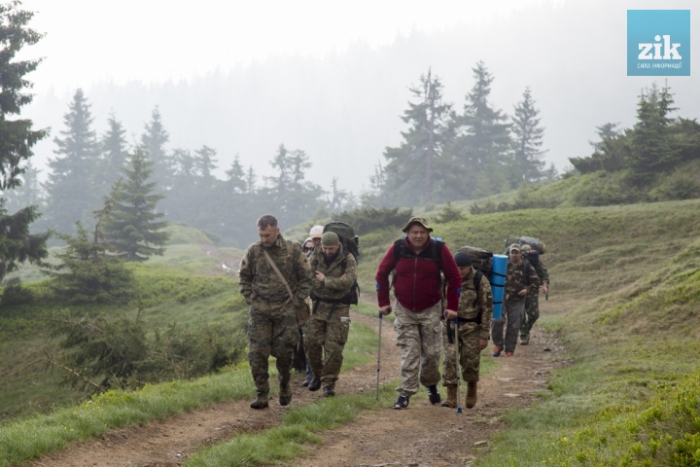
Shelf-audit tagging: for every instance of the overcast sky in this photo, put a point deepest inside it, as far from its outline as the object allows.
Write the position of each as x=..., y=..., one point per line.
x=332, y=77
x=91, y=41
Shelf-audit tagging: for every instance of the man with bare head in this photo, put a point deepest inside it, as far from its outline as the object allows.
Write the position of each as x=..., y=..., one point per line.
x=418, y=261
x=275, y=281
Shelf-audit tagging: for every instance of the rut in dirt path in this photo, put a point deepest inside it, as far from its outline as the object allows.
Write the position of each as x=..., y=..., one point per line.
x=170, y=442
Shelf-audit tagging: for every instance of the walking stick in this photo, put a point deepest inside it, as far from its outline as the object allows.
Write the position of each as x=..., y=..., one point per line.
x=459, y=407
x=379, y=350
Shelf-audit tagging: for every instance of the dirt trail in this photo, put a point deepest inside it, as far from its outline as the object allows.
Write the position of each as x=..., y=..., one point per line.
x=420, y=435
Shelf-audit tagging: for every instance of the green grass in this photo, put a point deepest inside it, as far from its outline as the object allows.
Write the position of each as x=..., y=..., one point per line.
x=290, y=440
x=33, y=436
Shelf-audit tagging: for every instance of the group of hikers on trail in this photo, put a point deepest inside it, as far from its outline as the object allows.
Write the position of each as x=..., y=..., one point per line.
x=443, y=305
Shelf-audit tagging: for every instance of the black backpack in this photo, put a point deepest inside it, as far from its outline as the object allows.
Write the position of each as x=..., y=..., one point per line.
x=351, y=245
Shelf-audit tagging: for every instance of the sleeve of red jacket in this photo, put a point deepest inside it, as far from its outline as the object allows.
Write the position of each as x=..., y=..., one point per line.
x=382, y=277
x=454, y=278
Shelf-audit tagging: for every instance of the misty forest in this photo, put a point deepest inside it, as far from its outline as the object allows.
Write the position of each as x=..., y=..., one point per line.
x=120, y=309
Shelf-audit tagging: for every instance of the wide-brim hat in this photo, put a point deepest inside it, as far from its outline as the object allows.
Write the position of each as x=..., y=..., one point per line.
x=417, y=220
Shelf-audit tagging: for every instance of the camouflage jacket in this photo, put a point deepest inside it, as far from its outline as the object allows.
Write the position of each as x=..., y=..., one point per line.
x=516, y=281
x=333, y=287
x=260, y=284
x=471, y=304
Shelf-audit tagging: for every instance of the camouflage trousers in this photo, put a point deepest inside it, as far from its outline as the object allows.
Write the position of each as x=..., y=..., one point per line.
x=532, y=314
x=469, y=353
x=324, y=340
x=511, y=318
x=271, y=333
x=419, y=335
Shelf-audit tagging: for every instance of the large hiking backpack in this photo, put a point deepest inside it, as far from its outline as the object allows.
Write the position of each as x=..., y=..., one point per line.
x=482, y=260
x=535, y=243
x=351, y=245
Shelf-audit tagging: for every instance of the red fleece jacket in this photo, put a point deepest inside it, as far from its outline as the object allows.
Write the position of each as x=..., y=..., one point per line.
x=417, y=284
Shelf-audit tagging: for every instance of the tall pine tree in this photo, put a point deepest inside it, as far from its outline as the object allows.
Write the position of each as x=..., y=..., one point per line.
x=154, y=140
x=17, y=138
x=651, y=152
x=480, y=152
x=414, y=167
x=71, y=191
x=527, y=141
x=132, y=228
x=114, y=155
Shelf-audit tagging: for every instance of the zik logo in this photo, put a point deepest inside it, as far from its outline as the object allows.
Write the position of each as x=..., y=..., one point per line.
x=670, y=50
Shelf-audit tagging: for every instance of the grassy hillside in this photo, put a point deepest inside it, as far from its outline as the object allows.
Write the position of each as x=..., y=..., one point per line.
x=625, y=300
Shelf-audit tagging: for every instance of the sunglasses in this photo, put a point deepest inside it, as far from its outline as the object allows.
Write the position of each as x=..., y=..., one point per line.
x=306, y=248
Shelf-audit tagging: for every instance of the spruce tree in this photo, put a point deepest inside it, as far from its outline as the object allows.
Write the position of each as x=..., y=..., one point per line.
x=413, y=168
x=17, y=138
x=153, y=140
x=652, y=152
x=132, y=228
x=480, y=152
x=527, y=141
x=236, y=178
x=114, y=154
x=71, y=192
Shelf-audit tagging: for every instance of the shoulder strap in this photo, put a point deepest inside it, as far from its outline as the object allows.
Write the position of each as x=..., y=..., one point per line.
x=279, y=274
x=436, y=246
x=526, y=271
x=477, y=281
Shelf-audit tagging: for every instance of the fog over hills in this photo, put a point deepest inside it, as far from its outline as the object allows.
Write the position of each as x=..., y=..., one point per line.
x=344, y=109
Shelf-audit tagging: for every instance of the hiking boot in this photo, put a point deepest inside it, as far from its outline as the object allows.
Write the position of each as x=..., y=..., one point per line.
x=470, y=401
x=497, y=351
x=433, y=394
x=524, y=340
x=328, y=391
x=509, y=354
x=259, y=403
x=315, y=384
x=401, y=403
x=307, y=381
x=451, y=400
x=285, y=394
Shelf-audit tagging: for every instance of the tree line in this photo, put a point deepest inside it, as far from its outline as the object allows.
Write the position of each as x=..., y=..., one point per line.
x=448, y=155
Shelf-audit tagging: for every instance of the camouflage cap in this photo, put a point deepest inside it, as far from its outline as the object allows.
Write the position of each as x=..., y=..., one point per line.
x=330, y=239
x=417, y=220
x=526, y=248
x=515, y=247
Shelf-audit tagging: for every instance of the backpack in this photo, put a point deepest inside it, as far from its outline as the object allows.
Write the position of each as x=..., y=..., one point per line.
x=535, y=243
x=351, y=245
x=534, y=258
x=482, y=260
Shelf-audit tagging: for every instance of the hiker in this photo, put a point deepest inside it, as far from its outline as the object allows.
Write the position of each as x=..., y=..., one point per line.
x=532, y=305
x=417, y=261
x=315, y=235
x=333, y=274
x=274, y=279
x=474, y=321
x=521, y=279
x=301, y=363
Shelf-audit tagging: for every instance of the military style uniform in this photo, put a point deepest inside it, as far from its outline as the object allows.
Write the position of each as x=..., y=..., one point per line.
x=517, y=279
x=532, y=305
x=472, y=306
x=325, y=334
x=272, y=323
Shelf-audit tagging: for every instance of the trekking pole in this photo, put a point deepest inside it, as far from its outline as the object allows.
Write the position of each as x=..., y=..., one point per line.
x=459, y=407
x=379, y=350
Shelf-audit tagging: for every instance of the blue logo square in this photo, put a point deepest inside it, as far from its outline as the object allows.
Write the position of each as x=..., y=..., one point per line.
x=658, y=42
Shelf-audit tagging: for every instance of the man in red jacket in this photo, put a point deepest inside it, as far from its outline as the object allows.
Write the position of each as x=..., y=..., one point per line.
x=417, y=261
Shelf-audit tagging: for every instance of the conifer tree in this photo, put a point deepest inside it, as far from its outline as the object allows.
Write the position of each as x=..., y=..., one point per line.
x=205, y=161
x=114, y=154
x=480, y=152
x=132, y=228
x=652, y=152
x=17, y=138
x=154, y=140
x=527, y=141
x=413, y=168
x=236, y=178
x=71, y=192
